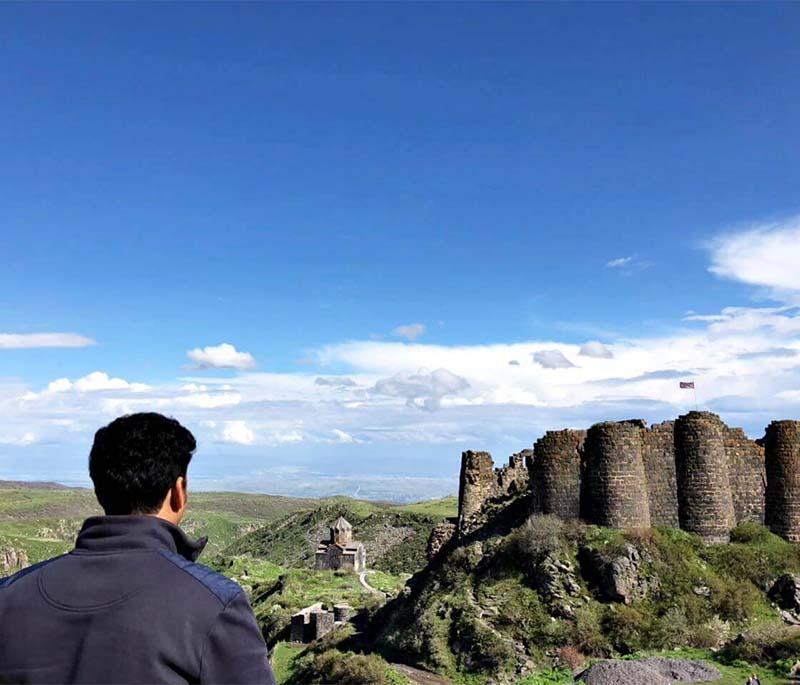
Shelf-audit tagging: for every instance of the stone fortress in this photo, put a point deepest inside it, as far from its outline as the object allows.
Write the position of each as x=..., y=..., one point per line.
x=695, y=473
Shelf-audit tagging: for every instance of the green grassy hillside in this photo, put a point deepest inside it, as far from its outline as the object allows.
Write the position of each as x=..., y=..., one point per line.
x=43, y=520
x=531, y=598
x=395, y=537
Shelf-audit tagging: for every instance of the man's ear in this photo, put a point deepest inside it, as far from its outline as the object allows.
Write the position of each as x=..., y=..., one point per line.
x=178, y=496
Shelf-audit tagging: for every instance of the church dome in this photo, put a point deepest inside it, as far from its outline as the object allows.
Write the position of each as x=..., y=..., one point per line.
x=341, y=524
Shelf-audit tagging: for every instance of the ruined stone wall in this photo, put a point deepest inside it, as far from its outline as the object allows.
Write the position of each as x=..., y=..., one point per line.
x=556, y=473
x=782, y=456
x=746, y=474
x=659, y=468
x=705, y=503
x=615, y=486
x=514, y=478
x=476, y=483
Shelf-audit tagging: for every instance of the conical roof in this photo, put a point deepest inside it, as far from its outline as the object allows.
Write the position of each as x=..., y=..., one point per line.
x=341, y=524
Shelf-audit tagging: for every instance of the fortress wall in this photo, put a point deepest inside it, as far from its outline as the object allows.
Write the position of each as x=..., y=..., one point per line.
x=659, y=467
x=615, y=492
x=746, y=474
x=476, y=483
x=556, y=473
x=705, y=503
x=782, y=457
x=514, y=478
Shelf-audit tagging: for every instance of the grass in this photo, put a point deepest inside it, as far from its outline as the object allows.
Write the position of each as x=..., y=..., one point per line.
x=447, y=507
x=283, y=660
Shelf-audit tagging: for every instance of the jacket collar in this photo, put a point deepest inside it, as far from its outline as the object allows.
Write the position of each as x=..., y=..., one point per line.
x=108, y=534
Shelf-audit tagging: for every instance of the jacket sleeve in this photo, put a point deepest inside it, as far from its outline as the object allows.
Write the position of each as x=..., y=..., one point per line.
x=235, y=651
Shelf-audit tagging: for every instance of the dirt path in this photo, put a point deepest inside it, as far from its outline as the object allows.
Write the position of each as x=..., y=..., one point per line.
x=362, y=578
x=421, y=677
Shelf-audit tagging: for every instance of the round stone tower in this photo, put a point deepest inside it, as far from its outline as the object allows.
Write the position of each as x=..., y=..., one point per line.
x=615, y=485
x=556, y=473
x=705, y=502
x=782, y=460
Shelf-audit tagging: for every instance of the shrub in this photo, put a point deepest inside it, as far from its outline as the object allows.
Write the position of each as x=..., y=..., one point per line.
x=345, y=668
x=537, y=537
x=766, y=643
x=627, y=628
x=711, y=634
x=569, y=657
x=672, y=629
x=734, y=601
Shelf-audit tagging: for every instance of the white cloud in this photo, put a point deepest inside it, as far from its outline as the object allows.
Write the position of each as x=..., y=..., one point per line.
x=224, y=356
x=552, y=359
x=343, y=437
x=596, y=350
x=410, y=331
x=422, y=389
x=97, y=381
x=238, y=432
x=34, y=340
x=24, y=440
x=766, y=254
x=619, y=262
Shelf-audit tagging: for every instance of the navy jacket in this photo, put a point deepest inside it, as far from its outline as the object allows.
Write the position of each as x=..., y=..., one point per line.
x=128, y=605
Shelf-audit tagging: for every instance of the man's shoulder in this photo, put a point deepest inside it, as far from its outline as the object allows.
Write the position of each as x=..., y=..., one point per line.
x=220, y=586
x=8, y=581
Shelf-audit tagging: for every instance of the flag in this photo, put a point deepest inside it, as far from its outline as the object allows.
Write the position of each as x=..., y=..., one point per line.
x=687, y=385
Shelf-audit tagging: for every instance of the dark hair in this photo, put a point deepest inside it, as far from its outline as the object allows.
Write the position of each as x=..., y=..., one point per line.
x=136, y=459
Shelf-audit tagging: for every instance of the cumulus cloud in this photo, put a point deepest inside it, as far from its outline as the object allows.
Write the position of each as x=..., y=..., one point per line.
x=596, y=350
x=766, y=254
x=224, y=356
x=552, y=359
x=33, y=340
x=238, y=432
x=423, y=390
x=97, y=381
x=410, y=331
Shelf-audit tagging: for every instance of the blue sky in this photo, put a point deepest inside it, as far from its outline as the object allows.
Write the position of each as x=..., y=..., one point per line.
x=400, y=200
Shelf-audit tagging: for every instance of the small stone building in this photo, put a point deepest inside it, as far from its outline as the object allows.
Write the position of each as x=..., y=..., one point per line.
x=341, y=551
x=315, y=621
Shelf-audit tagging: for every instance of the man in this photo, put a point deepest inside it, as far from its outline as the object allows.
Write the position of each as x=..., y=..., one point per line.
x=129, y=604
x=753, y=679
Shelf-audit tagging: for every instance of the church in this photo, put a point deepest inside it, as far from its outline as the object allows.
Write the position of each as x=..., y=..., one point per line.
x=341, y=551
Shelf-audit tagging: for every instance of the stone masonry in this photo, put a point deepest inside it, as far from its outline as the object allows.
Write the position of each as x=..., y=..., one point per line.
x=615, y=492
x=782, y=444
x=695, y=473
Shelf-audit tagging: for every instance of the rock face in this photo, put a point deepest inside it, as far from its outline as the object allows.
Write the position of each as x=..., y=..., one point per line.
x=622, y=579
x=557, y=585
x=785, y=592
x=655, y=671
x=440, y=536
x=12, y=560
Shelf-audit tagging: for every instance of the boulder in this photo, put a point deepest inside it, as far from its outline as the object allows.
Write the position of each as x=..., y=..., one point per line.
x=653, y=671
x=622, y=578
x=785, y=592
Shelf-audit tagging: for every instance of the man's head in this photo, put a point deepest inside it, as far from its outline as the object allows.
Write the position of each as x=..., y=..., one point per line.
x=138, y=464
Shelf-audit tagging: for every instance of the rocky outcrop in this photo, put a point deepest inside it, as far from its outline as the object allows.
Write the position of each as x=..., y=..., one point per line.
x=785, y=592
x=622, y=578
x=654, y=671
x=557, y=585
x=440, y=536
